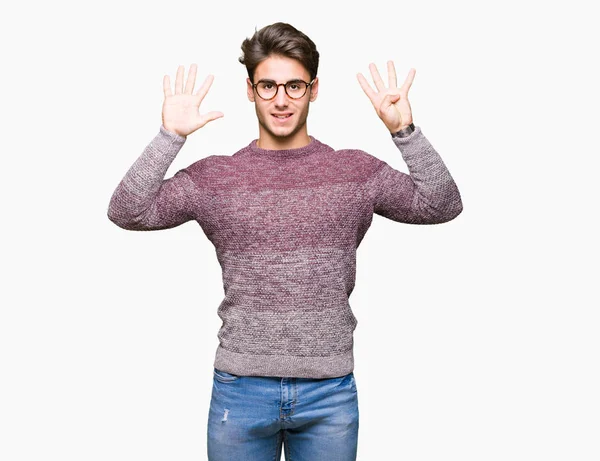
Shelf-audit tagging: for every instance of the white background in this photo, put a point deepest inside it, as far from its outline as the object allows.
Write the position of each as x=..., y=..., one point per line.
x=477, y=339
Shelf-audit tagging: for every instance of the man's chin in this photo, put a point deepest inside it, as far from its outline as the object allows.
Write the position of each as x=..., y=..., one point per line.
x=283, y=134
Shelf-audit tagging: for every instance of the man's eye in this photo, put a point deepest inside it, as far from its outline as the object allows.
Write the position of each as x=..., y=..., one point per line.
x=294, y=87
x=267, y=86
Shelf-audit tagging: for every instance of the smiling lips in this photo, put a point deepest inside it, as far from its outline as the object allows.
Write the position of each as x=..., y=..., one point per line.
x=282, y=116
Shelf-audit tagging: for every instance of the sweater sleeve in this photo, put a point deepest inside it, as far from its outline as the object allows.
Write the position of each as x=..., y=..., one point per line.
x=428, y=195
x=144, y=200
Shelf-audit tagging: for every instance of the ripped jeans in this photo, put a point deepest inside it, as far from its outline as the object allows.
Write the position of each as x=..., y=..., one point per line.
x=252, y=417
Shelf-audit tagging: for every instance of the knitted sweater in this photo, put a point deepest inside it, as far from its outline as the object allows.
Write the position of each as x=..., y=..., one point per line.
x=285, y=225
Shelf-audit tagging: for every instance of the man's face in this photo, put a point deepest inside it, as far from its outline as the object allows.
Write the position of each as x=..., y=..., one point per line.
x=276, y=130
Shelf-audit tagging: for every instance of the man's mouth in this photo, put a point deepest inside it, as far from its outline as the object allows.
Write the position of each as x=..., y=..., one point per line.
x=281, y=116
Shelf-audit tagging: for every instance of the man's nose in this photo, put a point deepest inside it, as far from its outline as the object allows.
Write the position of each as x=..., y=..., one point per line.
x=281, y=99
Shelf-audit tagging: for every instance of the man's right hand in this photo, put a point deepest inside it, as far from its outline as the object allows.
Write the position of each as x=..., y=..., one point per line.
x=180, y=112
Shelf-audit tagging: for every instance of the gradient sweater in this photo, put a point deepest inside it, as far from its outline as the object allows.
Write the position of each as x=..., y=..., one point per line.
x=285, y=225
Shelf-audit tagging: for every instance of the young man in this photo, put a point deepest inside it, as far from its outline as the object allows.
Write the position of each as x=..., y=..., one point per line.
x=286, y=214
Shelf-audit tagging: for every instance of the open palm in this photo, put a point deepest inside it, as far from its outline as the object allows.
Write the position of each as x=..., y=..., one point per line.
x=391, y=104
x=180, y=112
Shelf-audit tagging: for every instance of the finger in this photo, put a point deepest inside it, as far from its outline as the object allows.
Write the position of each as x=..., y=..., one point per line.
x=392, y=81
x=409, y=79
x=179, y=80
x=366, y=87
x=376, y=77
x=167, y=86
x=205, y=87
x=189, y=85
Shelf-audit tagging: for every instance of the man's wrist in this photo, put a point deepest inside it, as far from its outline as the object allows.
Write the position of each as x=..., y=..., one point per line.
x=404, y=132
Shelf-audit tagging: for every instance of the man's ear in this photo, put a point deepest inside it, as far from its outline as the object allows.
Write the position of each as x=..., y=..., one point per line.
x=314, y=89
x=249, y=89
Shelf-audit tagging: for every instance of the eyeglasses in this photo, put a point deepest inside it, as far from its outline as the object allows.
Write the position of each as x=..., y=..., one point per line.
x=295, y=89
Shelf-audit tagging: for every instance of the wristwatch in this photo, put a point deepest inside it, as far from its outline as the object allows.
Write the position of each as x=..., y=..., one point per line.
x=404, y=132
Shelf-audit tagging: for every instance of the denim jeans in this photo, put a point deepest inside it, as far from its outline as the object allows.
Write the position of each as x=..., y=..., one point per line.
x=252, y=417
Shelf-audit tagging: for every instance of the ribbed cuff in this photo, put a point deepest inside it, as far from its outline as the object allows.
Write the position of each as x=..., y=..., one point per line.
x=172, y=136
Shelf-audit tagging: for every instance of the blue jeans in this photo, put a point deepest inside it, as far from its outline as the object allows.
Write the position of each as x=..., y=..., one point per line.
x=252, y=417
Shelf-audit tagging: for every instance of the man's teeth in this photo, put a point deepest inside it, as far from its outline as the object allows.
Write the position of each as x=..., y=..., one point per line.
x=283, y=116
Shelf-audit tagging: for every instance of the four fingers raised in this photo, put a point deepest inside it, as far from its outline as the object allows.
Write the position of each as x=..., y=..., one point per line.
x=379, y=84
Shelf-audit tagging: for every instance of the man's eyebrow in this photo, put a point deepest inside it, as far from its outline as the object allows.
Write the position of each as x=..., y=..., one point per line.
x=273, y=81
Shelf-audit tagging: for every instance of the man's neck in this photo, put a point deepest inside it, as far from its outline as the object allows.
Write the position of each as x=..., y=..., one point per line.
x=291, y=142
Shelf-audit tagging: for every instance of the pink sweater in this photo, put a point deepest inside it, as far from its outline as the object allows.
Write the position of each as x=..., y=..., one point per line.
x=285, y=225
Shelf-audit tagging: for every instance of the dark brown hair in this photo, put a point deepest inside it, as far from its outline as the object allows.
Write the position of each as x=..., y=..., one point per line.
x=279, y=39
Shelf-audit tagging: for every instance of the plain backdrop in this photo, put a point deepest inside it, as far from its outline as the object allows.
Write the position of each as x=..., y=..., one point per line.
x=476, y=340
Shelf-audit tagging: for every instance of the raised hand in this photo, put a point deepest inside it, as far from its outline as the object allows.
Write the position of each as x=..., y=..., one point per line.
x=180, y=111
x=391, y=104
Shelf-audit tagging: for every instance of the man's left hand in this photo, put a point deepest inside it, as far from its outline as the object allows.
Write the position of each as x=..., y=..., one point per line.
x=391, y=104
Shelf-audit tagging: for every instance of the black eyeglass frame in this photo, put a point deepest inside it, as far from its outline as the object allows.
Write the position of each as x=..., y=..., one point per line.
x=308, y=85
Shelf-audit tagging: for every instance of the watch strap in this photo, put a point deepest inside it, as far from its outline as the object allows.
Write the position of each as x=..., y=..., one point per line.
x=404, y=132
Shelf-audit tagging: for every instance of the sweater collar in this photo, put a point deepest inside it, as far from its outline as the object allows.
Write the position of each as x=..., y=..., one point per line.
x=310, y=148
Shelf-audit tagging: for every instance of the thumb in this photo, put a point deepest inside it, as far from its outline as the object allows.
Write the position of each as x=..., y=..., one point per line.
x=394, y=98
x=209, y=117
x=388, y=100
x=215, y=114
